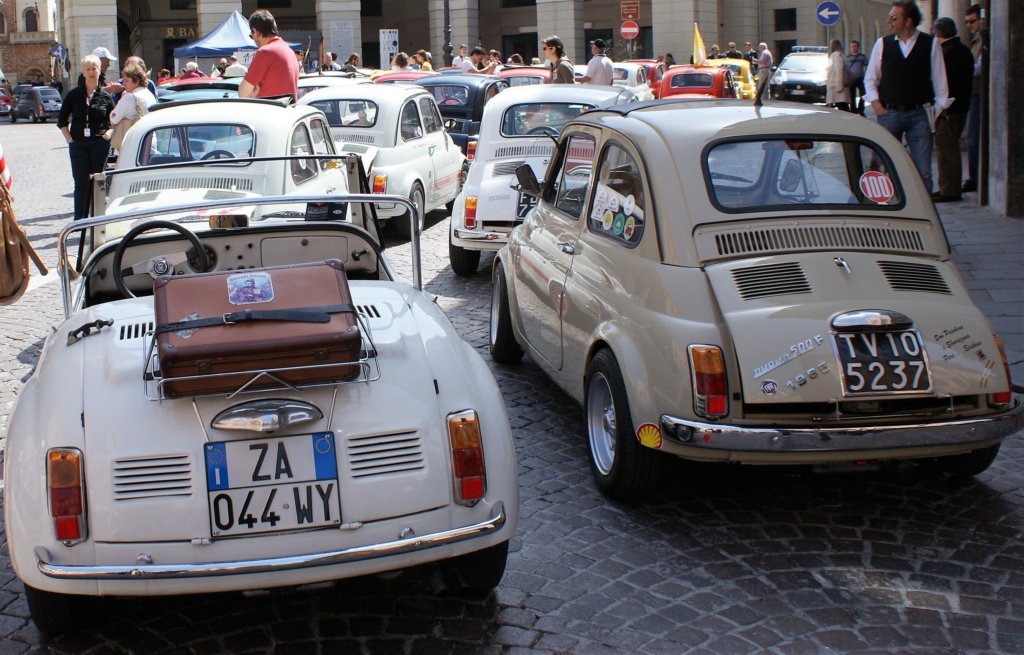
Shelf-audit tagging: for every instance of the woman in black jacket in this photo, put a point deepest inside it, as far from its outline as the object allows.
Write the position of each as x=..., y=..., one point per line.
x=84, y=119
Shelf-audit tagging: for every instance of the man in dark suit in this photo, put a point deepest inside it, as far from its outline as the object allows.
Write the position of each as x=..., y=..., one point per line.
x=950, y=124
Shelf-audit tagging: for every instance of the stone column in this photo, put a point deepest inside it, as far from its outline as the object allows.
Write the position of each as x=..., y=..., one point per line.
x=435, y=11
x=211, y=13
x=465, y=18
x=89, y=24
x=341, y=26
x=673, y=28
x=563, y=18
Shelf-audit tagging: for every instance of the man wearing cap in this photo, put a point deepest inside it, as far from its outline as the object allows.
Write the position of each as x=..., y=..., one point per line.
x=599, y=69
x=105, y=58
x=274, y=71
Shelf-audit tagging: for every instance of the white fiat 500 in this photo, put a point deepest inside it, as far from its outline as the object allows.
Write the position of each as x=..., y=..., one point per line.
x=724, y=282
x=123, y=478
x=399, y=133
x=625, y=75
x=518, y=127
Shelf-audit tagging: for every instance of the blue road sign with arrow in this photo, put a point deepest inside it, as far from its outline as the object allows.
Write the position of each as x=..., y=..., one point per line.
x=828, y=13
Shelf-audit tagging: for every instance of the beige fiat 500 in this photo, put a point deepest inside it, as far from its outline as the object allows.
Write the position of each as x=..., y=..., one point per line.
x=723, y=282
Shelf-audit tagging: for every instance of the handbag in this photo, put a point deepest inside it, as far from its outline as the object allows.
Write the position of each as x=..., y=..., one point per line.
x=117, y=136
x=15, y=253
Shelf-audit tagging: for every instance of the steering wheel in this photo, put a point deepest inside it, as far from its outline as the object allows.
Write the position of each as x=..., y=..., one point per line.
x=161, y=265
x=543, y=129
x=217, y=154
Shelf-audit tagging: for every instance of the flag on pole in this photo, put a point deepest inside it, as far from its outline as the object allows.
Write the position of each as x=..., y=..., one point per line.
x=700, y=55
x=5, y=175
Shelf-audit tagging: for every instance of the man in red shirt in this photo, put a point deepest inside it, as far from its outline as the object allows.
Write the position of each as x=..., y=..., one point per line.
x=274, y=71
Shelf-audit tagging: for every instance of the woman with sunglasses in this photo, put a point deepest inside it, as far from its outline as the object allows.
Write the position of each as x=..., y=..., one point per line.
x=561, y=67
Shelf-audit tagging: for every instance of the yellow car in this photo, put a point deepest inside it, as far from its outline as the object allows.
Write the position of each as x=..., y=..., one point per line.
x=741, y=75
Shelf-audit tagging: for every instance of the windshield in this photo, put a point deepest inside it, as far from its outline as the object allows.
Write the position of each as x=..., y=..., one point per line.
x=450, y=96
x=764, y=175
x=348, y=113
x=691, y=81
x=49, y=94
x=537, y=118
x=806, y=62
x=181, y=143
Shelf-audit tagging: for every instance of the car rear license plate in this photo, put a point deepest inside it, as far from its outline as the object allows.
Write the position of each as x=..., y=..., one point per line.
x=882, y=362
x=524, y=205
x=272, y=485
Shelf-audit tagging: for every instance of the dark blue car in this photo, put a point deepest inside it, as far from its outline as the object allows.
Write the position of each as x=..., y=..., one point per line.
x=461, y=99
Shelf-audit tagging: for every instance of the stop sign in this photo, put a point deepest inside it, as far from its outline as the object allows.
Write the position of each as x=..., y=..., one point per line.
x=629, y=30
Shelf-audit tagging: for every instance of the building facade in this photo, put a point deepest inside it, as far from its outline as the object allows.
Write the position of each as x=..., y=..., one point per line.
x=27, y=33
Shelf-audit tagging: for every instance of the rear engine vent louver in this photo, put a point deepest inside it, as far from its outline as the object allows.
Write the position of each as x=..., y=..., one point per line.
x=358, y=138
x=161, y=184
x=368, y=311
x=130, y=331
x=838, y=237
x=152, y=477
x=506, y=168
x=385, y=454
x=904, y=276
x=771, y=280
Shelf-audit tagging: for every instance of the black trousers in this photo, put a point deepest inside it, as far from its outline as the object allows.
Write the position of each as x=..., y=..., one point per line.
x=88, y=156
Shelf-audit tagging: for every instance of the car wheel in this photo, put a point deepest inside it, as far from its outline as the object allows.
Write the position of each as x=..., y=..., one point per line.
x=464, y=262
x=621, y=466
x=969, y=464
x=402, y=222
x=57, y=613
x=503, y=345
x=482, y=570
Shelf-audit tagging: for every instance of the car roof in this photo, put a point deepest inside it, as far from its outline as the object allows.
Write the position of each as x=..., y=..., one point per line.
x=261, y=114
x=456, y=79
x=382, y=94
x=585, y=93
x=516, y=71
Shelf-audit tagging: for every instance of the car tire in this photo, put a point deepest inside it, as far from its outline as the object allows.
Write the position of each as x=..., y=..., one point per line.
x=503, y=346
x=483, y=569
x=464, y=261
x=417, y=198
x=55, y=613
x=969, y=464
x=621, y=466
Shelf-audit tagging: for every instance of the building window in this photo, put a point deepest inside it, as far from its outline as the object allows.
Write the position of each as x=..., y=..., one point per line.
x=183, y=5
x=785, y=20
x=3, y=24
x=31, y=20
x=273, y=4
x=371, y=8
x=518, y=3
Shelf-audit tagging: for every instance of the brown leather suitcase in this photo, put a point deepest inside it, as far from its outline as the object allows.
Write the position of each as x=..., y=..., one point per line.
x=213, y=324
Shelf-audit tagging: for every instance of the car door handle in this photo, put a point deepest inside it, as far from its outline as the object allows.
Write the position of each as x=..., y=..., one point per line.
x=432, y=149
x=567, y=248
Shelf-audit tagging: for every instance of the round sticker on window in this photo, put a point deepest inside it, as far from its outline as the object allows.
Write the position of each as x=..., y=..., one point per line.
x=629, y=228
x=618, y=224
x=606, y=219
x=628, y=205
x=876, y=187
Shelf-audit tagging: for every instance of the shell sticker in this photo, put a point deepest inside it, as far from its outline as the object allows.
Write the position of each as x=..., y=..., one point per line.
x=876, y=187
x=250, y=288
x=649, y=435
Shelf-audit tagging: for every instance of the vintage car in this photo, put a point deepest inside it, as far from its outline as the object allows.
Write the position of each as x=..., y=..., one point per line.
x=518, y=127
x=400, y=77
x=36, y=103
x=199, y=88
x=741, y=76
x=133, y=468
x=655, y=70
x=759, y=285
x=461, y=100
x=698, y=81
x=398, y=132
x=316, y=81
x=525, y=75
x=625, y=75
x=800, y=77
x=182, y=152
x=5, y=102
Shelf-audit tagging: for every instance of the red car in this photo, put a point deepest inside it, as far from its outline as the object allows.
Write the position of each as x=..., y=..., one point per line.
x=525, y=75
x=703, y=81
x=401, y=77
x=655, y=71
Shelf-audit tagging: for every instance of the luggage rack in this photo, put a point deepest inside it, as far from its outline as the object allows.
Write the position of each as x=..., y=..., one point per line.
x=369, y=370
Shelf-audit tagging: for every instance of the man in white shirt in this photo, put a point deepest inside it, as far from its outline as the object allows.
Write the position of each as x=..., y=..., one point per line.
x=599, y=69
x=476, y=58
x=461, y=57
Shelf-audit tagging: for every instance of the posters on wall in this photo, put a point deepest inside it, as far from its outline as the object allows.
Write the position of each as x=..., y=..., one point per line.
x=388, y=47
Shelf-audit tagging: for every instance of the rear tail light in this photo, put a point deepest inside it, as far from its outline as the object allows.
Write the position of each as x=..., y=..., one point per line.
x=471, y=150
x=470, y=213
x=64, y=482
x=710, y=387
x=1002, y=398
x=468, y=475
x=380, y=182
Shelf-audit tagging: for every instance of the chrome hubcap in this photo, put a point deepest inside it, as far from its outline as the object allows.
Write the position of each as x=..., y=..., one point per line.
x=601, y=423
x=496, y=297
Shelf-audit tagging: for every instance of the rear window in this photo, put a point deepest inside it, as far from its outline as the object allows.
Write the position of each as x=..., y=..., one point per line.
x=691, y=81
x=49, y=94
x=348, y=113
x=450, y=96
x=524, y=80
x=181, y=143
x=766, y=175
x=539, y=118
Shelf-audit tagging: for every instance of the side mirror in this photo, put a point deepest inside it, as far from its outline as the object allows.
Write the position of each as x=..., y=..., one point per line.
x=450, y=123
x=526, y=182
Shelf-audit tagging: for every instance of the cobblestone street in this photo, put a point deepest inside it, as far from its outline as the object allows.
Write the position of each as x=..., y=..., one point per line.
x=722, y=560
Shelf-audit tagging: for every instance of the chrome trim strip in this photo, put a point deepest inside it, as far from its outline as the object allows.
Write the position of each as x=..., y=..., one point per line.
x=968, y=431
x=177, y=571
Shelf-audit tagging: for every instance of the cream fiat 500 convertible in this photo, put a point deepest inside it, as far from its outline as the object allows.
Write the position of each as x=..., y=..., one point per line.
x=724, y=282
x=241, y=399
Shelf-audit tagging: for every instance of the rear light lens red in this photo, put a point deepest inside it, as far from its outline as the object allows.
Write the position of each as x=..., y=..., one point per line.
x=710, y=386
x=469, y=475
x=380, y=182
x=471, y=150
x=470, y=213
x=1002, y=398
x=65, y=484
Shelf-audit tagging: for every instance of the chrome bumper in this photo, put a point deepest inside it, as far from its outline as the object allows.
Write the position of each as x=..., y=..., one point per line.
x=953, y=435
x=489, y=239
x=241, y=567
